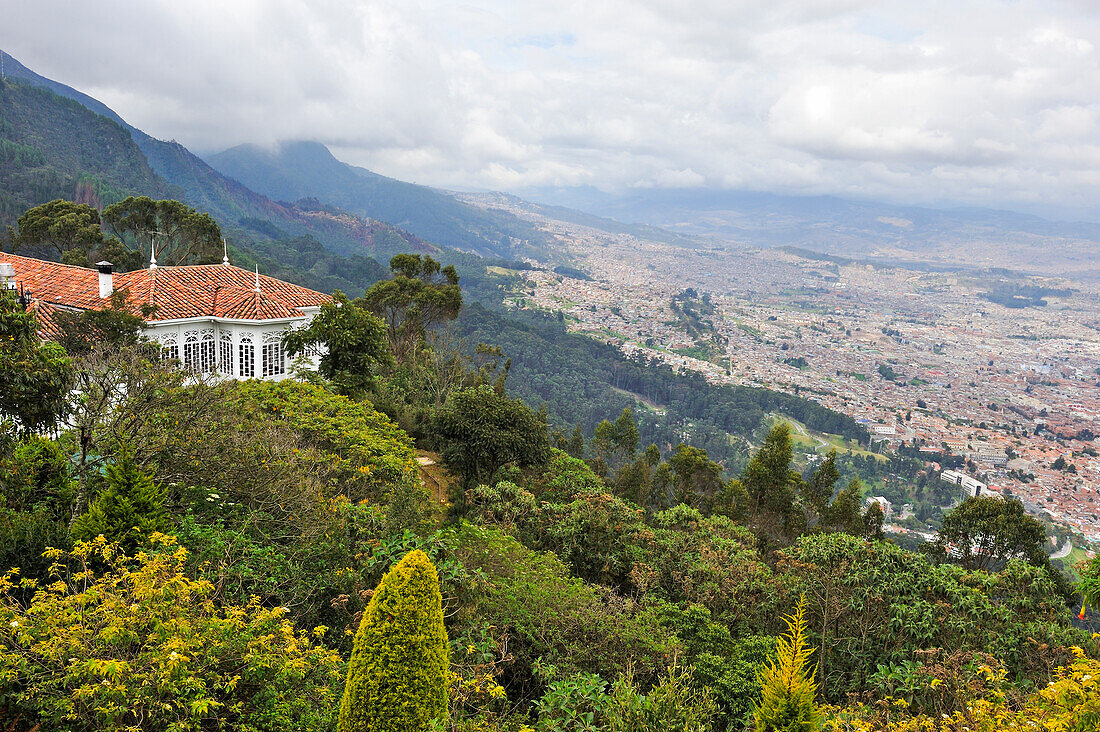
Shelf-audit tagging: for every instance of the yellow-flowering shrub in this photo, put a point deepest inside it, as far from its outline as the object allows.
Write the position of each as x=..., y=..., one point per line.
x=113, y=643
x=1070, y=703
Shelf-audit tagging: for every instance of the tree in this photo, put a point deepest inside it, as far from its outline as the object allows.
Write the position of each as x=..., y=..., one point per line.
x=844, y=513
x=817, y=491
x=421, y=295
x=987, y=531
x=771, y=487
x=616, y=442
x=69, y=232
x=481, y=430
x=34, y=376
x=178, y=233
x=787, y=687
x=115, y=325
x=697, y=478
x=398, y=673
x=354, y=344
x=128, y=510
x=575, y=445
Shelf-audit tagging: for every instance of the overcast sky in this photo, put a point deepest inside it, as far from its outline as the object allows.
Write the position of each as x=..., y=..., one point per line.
x=987, y=102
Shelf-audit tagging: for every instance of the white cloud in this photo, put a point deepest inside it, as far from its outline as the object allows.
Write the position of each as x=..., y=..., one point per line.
x=974, y=101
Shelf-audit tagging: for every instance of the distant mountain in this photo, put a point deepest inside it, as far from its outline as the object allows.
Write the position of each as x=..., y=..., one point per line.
x=858, y=229
x=61, y=143
x=296, y=170
x=52, y=147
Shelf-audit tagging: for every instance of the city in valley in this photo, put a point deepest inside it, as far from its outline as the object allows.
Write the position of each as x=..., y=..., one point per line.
x=996, y=368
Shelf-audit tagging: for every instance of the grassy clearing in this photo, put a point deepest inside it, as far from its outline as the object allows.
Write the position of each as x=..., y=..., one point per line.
x=808, y=440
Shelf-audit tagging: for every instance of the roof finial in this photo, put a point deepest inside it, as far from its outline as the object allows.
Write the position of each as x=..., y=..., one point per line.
x=257, y=278
x=225, y=253
x=153, y=250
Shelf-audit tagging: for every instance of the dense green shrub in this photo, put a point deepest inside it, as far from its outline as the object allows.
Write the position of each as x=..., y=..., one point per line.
x=398, y=673
x=36, y=474
x=586, y=703
x=128, y=510
x=874, y=604
x=552, y=616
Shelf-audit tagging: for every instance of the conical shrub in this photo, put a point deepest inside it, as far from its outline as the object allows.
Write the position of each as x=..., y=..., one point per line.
x=397, y=676
x=129, y=508
x=788, y=691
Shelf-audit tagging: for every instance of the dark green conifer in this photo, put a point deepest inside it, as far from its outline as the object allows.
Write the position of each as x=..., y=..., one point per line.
x=397, y=676
x=128, y=509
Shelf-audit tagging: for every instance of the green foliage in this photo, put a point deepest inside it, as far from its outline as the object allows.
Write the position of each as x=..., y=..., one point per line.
x=34, y=376
x=36, y=474
x=421, y=295
x=696, y=479
x=481, y=430
x=549, y=615
x=616, y=442
x=724, y=665
x=173, y=231
x=142, y=646
x=283, y=488
x=674, y=703
x=115, y=326
x=987, y=531
x=873, y=604
x=354, y=343
x=584, y=703
x=129, y=508
x=1089, y=584
x=772, y=487
x=397, y=676
x=69, y=232
x=787, y=689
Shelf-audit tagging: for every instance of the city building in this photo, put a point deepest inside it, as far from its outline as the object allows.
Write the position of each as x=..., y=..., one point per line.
x=213, y=318
x=973, y=486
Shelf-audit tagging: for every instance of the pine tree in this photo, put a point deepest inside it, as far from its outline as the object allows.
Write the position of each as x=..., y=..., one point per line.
x=128, y=509
x=787, y=686
x=397, y=676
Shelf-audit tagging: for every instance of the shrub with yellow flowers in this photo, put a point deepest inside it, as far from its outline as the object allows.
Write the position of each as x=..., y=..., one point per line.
x=1069, y=703
x=110, y=642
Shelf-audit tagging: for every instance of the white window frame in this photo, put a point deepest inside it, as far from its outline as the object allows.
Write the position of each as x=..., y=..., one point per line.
x=246, y=352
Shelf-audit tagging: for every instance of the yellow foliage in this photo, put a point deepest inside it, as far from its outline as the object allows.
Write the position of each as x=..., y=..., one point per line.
x=1070, y=703
x=114, y=643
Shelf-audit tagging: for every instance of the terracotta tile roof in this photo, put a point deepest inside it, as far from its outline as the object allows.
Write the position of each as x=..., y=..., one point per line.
x=202, y=290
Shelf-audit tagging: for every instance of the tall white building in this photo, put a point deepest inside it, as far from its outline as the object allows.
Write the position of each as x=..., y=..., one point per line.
x=212, y=317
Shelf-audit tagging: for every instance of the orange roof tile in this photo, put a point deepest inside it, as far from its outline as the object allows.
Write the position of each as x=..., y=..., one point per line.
x=192, y=291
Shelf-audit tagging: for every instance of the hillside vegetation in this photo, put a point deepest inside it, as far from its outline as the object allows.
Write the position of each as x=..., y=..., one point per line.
x=196, y=554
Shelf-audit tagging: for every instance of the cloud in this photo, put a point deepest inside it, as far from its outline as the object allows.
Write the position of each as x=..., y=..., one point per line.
x=971, y=101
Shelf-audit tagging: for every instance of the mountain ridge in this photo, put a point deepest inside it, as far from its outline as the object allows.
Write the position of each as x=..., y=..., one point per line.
x=298, y=169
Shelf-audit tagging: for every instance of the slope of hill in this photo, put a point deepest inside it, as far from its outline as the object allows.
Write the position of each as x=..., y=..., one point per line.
x=58, y=142
x=296, y=170
x=52, y=147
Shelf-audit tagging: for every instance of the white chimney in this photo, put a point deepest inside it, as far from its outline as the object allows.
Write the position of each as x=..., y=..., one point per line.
x=7, y=275
x=106, y=278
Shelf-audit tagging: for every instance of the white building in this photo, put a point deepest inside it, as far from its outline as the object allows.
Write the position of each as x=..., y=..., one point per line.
x=973, y=486
x=883, y=504
x=212, y=317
